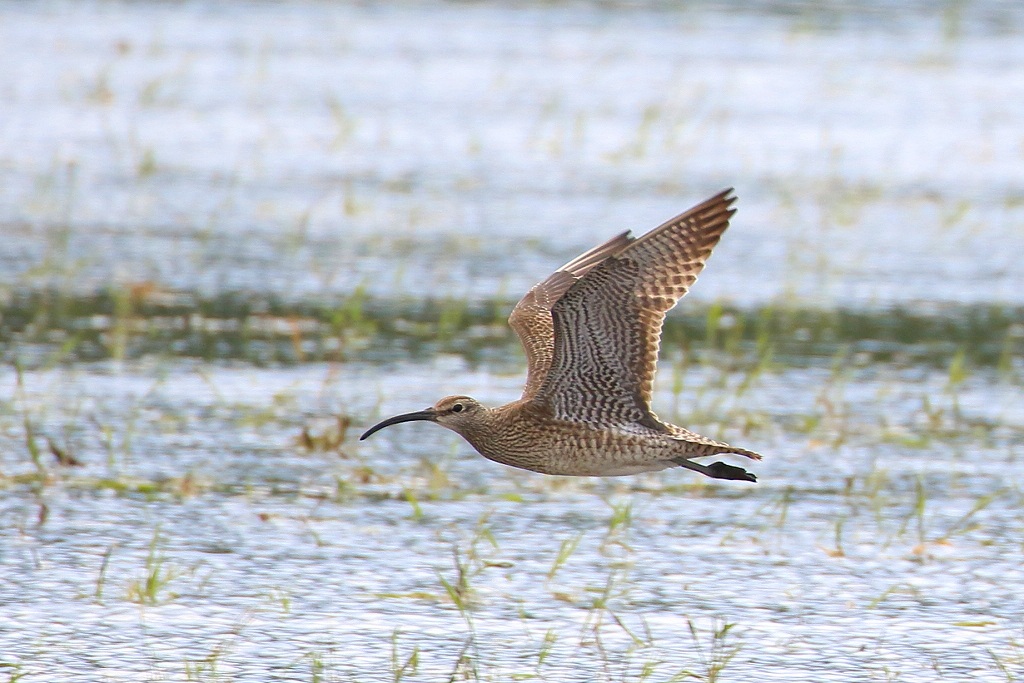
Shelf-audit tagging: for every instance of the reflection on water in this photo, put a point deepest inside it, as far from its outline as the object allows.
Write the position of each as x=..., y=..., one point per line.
x=226, y=226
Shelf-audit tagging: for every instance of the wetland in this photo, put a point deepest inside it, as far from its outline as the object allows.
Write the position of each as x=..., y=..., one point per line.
x=236, y=234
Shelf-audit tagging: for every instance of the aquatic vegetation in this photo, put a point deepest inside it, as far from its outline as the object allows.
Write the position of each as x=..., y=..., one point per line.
x=565, y=551
x=205, y=279
x=715, y=654
x=151, y=588
x=137, y=322
x=402, y=665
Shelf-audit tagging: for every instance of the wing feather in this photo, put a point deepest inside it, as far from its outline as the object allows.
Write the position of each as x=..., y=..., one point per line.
x=531, y=318
x=607, y=324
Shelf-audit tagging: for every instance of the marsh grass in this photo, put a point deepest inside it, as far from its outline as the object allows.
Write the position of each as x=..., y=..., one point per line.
x=152, y=588
x=714, y=649
x=28, y=424
x=205, y=669
x=14, y=671
x=470, y=561
x=138, y=320
x=1009, y=660
x=402, y=664
x=726, y=363
x=101, y=577
x=565, y=551
x=606, y=607
x=719, y=364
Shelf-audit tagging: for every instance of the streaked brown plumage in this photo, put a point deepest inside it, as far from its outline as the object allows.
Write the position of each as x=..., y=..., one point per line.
x=591, y=332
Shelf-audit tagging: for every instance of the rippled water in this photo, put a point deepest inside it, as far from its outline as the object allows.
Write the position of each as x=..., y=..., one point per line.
x=859, y=551
x=308, y=147
x=221, y=525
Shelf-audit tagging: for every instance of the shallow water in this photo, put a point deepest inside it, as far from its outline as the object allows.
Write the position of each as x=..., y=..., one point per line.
x=859, y=550
x=303, y=148
x=188, y=191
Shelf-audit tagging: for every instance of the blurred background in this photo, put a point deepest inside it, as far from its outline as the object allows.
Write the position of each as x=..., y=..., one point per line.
x=233, y=230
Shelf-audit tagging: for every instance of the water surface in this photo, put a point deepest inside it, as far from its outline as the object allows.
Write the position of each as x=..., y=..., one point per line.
x=236, y=234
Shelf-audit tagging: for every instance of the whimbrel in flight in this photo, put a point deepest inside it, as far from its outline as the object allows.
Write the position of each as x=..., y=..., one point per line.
x=591, y=332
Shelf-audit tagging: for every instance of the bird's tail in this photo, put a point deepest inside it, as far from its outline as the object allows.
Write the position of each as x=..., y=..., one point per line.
x=698, y=446
x=726, y=448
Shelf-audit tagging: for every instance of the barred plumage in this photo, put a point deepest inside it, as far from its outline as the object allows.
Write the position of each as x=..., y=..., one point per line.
x=591, y=332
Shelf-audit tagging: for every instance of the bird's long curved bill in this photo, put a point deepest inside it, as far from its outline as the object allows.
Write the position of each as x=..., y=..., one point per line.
x=427, y=414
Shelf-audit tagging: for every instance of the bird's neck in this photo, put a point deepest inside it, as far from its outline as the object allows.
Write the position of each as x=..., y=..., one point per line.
x=498, y=432
x=484, y=433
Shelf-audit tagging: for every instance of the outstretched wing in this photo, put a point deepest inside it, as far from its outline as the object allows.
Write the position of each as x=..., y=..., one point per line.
x=531, y=318
x=607, y=326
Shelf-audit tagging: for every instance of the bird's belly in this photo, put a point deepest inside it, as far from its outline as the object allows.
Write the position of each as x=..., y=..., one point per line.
x=584, y=453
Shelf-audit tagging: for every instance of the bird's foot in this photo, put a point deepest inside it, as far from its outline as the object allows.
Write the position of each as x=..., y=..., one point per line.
x=721, y=470
x=717, y=470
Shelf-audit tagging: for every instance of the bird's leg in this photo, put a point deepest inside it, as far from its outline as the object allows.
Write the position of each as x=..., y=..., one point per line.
x=716, y=470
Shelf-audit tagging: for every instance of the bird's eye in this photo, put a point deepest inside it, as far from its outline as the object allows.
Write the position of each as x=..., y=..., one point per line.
x=457, y=408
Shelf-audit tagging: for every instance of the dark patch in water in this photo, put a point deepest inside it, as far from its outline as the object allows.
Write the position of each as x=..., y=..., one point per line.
x=131, y=323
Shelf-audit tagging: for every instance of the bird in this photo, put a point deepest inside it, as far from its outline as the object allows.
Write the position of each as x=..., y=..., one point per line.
x=591, y=332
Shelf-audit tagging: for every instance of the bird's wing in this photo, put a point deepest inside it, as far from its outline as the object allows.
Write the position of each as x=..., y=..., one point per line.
x=607, y=326
x=531, y=318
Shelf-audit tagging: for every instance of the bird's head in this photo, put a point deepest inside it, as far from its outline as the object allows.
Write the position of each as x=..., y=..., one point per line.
x=453, y=412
